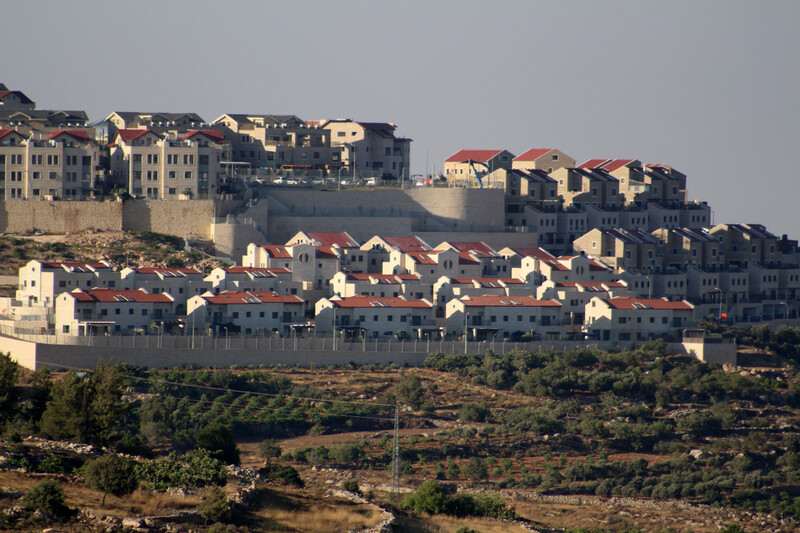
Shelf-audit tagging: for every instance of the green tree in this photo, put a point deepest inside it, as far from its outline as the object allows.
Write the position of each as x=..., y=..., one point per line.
x=475, y=469
x=428, y=498
x=214, y=506
x=47, y=496
x=410, y=390
x=9, y=393
x=268, y=450
x=218, y=439
x=87, y=407
x=111, y=474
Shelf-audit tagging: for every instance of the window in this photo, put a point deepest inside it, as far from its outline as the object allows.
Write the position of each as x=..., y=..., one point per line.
x=187, y=175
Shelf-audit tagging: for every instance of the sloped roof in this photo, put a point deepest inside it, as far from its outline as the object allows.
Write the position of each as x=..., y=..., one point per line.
x=75, y=266
x=214, y=135
x=611, y=166
x=479, y=249
x=628, y=302
x=462, y=156
x=342, y=239
x=167, y=272
x=536, y=253
x=408, y=244
x=489, y=300
x=276, y=250
x=533, y=154
x=119, y=296
x=75, y=134
x=376, y=302
x=593, y=163
x=23, y=99
x=255, y=270
x=251, y=297
x=131, y=135
x=4, y=132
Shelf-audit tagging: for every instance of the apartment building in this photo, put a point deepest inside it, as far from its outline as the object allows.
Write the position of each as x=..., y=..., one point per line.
x=159, y=122
x=180, y=283
x=746, y=243
x=432, y=265
x=627, y=319
x=62, y=164
x=411, y=286
x=447, y=288
x=167, y=166
x=620, y=248
x=378, y=248
x=279, y=141
x=686, y=246
x=100, y=311
x=246, y=312
x=494, y=316
x=370, y=149
x=467, y=168
x=40, y=282
x=252, y=279
x=492, y=263
x=375, y=317
x=582, y=186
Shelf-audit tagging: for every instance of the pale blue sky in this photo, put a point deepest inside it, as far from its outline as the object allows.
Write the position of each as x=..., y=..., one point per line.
x=710, y=87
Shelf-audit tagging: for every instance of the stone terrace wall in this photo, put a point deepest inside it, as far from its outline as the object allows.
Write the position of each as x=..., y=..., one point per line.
x=180, y=217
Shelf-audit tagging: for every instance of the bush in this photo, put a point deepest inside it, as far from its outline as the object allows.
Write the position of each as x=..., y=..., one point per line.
x=218, y=439
x=112, y=474
x=287, y=475
x=428, y=498
x=473, y=413
x=47, y=496
x=351, y=485
x=214, y=506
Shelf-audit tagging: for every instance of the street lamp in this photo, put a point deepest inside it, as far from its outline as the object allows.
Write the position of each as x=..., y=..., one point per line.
x=719, y=316
x=466, y=332
x=333, y=329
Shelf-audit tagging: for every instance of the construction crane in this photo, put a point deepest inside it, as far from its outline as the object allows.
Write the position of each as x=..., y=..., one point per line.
x=475, y=170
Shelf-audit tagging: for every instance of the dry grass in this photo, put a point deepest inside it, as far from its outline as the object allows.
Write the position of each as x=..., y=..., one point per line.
x=305, y=511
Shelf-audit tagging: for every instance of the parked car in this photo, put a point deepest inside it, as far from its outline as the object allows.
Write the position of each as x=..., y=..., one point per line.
x=279, y=181
x=371, y=182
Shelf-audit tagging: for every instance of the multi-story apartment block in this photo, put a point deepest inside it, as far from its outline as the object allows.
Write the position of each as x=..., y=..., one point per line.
x=99, y=311
x=64, y=164
x=686, y=246
x=370, y=148
x=575, y=295
x=469, y=168
x=582, y=186
x=279, y=141
x=313, y=265
x=375, y=317
x=494, y=316
x=432, y=265
x=446, y=288
x=160, y=123
x=167, y=167
x=492, y=263
x=378, y=248
x=180, y=283
x=252, y=279
x=627, y=319
x=381, y=285
x=248, y=312
x=743, y=244
x=41, y=282
x=620, y=248
x=544, y=159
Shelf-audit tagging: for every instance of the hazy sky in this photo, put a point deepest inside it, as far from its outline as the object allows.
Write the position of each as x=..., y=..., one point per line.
x=711, y=88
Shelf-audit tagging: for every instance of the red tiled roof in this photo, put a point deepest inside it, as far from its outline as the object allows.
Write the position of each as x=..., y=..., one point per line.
x=94, y=266
x=466, y=258
x=118, y=296
x=76, y=134
x=593, y=163
x=164, y=270
x=276, y=250
x=408, y=244
x=617, y=163
x=214, y=135
x=326, y=252
x=536, y=253
x=251, y=297
x=489, y=300
x=246, y=270
x=3, y=133
x=424, y=258
x=342, y=239
x=505, y=281
x=376, y=302
x=479, y=248
x=381, y=277
x=628, y=302
x=462, y=156
x=533, y=154
x=131, y=135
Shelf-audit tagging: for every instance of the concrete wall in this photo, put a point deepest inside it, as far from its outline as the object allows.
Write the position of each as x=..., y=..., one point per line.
x=19, y=216
x=180, y=217
x=281, y=229
x=709, y=352
x=23, y=352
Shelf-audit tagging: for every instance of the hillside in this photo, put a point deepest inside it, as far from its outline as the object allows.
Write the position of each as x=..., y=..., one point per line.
x=628, y=441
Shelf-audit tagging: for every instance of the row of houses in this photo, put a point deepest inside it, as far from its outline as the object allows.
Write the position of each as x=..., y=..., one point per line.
x=402, y=286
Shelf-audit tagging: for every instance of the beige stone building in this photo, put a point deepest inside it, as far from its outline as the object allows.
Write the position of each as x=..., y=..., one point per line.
x=159, y=166
x=469, y=168
x=14, y=99
x=63, y=164
x=545, y=159
x=370, y=149
x=279, y=141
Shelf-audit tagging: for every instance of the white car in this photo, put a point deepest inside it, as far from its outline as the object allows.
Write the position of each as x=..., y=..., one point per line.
x=279, y=181
x=371, y=182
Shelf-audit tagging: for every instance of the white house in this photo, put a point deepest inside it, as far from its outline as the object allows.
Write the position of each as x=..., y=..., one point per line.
x=373, y=316
x=248, y=312
x=41, y=281
x=628, y=319
x=93, y=311
x=488, y=316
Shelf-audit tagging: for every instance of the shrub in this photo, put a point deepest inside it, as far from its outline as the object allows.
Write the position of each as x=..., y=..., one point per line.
x=111, y=474
x=214, y=506
x=351, y=485
x=47, y=496
x=473, y=413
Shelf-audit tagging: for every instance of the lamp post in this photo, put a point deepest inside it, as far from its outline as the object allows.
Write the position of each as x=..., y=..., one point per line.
x=333, y=328
x=466, y=332
x=226, y=336
x=719, y=315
